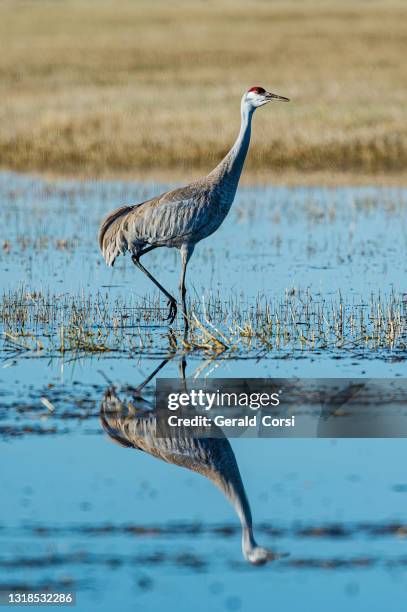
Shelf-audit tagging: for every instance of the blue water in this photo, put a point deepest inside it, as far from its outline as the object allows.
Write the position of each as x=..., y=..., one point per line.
x=165, y=537
x=82, y=481
x=275, y=238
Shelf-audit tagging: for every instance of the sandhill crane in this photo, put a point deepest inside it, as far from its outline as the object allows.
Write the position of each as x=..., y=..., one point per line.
x=182, y=217
x=131, y=425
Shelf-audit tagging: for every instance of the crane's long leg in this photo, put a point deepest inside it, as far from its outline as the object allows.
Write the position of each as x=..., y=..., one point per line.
x=171, y=300
x=186, y=252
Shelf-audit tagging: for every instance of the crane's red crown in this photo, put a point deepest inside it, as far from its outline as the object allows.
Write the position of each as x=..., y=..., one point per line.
x=257, y=90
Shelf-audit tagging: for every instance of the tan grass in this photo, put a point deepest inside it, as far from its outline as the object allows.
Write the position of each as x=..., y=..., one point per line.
x=105, y=87
x=298, y=320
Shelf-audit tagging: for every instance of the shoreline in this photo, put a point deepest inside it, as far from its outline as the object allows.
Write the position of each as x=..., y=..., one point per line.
x=249, y=178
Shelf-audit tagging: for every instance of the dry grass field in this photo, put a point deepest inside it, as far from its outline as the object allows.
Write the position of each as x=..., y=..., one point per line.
x=104, y=87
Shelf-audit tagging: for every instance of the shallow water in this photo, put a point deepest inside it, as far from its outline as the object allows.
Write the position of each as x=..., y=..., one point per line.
x=276, y=238
x=117, y=525
x=120, y=526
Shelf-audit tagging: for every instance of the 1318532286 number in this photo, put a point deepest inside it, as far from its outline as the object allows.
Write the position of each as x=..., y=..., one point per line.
x=19, y=598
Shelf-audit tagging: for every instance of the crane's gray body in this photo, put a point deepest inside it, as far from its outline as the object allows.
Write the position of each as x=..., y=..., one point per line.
x=181, y=217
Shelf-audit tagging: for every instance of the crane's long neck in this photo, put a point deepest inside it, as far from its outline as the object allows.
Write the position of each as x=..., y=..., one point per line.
x=227, y=478
x=235, y=492
x=227, y=173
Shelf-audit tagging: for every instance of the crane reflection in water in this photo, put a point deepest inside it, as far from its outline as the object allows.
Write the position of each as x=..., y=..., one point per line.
x=132, y=424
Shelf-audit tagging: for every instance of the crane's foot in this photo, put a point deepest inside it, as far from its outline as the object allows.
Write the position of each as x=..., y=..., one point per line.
x=172, y=312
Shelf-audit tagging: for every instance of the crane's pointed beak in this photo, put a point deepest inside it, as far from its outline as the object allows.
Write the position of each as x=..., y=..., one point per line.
x=271, y=96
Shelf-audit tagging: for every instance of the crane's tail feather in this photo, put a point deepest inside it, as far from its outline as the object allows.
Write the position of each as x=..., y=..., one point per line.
x=112, y=241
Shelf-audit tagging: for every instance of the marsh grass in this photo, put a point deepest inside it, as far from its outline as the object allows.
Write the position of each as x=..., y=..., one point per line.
x=93, y=88
x=299, y=321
